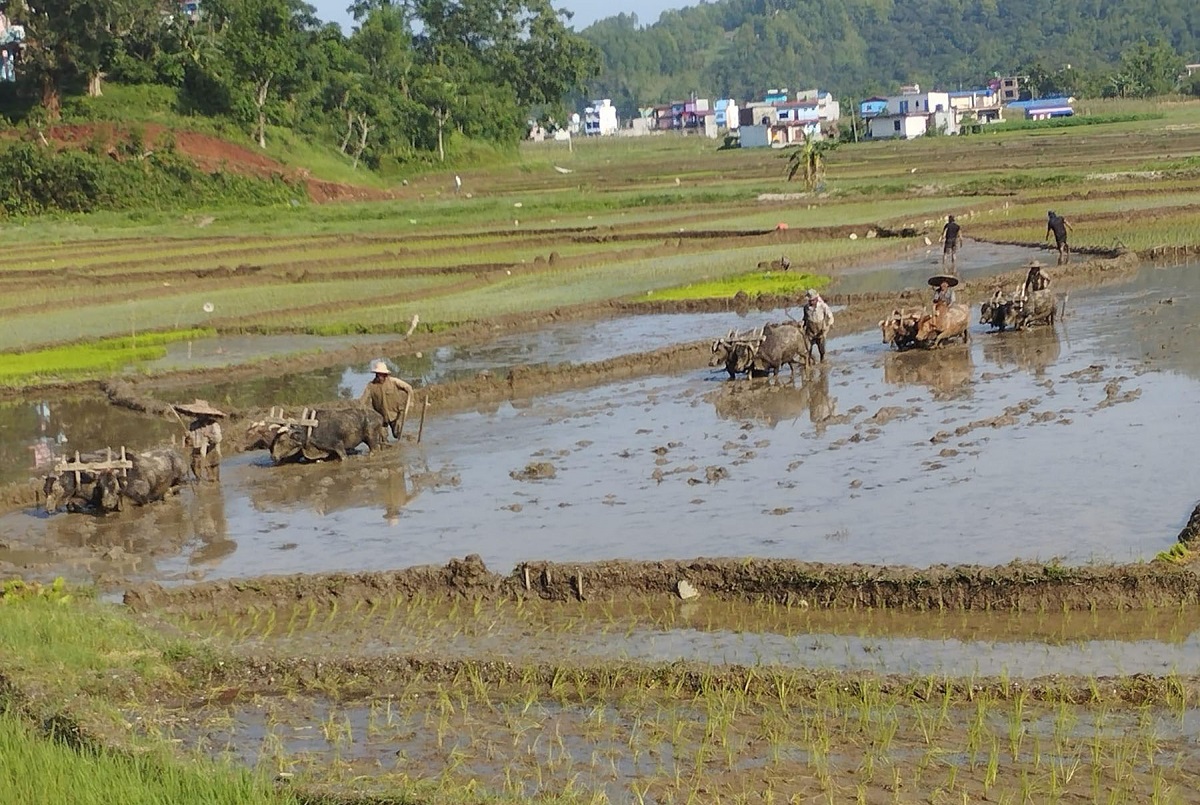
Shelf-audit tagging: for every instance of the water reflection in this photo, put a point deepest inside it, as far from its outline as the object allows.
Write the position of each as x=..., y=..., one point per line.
x=206, y=511
x=945, y=371
x=1034, y=350
x=332, y=486
x=34, y=433
x=777, y=401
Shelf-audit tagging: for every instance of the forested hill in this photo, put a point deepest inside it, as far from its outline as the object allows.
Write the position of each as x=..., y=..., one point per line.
x=739, y=48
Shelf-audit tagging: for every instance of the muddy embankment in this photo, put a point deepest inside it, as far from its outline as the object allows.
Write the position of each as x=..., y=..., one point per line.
x=1020, y=586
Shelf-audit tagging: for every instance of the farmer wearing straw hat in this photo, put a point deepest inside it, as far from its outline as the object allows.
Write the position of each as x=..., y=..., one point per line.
x=204, y=437
x=383, y=395
x=943, y=296
x=1037, y=279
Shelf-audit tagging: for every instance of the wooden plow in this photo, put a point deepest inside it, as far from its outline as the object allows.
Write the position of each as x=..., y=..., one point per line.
x=76, y=465
x=306, y=420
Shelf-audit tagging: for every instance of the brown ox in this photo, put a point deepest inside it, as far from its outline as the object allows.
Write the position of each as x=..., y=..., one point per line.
x=945, y=323
x=900, y=329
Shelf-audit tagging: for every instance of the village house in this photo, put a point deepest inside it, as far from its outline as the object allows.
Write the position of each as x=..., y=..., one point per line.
x=1043, y=108
x=726, y=114
x=983, y=105
x=911, y=114
x=783, y=119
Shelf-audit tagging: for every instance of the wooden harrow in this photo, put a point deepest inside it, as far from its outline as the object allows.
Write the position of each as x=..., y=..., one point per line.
x=77, y=465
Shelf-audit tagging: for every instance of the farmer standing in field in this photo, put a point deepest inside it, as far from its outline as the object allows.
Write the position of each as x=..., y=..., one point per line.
x=204, y=437
x=383, y=395
x=952, y=237
x=818, y=319
x=1059, y=226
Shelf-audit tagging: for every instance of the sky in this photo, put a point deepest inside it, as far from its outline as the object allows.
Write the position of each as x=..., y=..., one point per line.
x=586, y=11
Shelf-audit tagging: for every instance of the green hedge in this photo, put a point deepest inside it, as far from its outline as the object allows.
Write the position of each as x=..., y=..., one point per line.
x=36, y=179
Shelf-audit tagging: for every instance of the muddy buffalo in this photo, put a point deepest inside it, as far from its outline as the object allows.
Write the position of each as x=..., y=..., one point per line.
x=935, y=329
x=1019, y=312
x=785, y=343
x=900, y=329
x=736, y=352
x=154, y=475
x=336, y=432
x=62, y=488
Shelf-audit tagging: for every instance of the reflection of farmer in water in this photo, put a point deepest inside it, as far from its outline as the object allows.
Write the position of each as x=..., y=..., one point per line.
x=395, y=495
x=207, y=516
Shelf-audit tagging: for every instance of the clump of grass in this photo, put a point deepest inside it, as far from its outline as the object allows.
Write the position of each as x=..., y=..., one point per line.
x=1177, y=554
x=106, y=355
x=39, y=769
x=754, y=284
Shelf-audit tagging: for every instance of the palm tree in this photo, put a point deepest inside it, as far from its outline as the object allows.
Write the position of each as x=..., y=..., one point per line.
x=809, y=159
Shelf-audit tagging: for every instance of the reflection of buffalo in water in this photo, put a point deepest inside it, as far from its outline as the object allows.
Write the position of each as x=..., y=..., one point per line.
x=774, y=403
x=329, y=487
x=942, y=370
x=1033, y=350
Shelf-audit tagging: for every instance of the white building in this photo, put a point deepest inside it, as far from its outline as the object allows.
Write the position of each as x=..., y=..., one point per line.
x=913, y=115
x=600, y=118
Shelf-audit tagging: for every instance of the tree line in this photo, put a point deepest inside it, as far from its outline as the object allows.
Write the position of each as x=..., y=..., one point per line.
x=856, y=48
x=411, y=74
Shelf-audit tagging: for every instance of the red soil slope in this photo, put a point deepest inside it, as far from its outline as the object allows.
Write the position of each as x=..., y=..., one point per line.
x=212, y=153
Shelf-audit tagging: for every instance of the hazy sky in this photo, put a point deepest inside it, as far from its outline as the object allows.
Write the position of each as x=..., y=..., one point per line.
x=586, y=11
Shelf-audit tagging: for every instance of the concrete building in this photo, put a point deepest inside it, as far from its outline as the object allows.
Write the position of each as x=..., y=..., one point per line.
x=1043, y=108
x=726, y=113
x=912, y=115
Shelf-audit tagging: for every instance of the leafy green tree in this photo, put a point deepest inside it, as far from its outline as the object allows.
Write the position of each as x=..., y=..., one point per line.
x=257, y=42
x=1151, y=69
x=68, y=41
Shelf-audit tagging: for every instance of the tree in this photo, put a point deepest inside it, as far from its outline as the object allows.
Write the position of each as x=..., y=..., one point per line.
x=257, y=41
x=1151, y=69
x=809, y=159
x=67, y=41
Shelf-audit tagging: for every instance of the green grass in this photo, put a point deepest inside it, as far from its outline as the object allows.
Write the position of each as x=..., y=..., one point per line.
x=37, y=769
x=754, y=284
x=60, y=651
x=101, y=357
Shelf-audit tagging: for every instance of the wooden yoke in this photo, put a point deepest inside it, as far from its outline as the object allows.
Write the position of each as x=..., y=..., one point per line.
x=307, y=420
x=77, y=465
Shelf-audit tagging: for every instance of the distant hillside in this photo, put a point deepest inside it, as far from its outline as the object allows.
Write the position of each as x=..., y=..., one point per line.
x=741, y=47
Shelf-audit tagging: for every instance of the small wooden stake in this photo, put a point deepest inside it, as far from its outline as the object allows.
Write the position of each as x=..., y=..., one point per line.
x=546, y=574
x=579, y=583
x=421, y=429
x=526, y=568
x=403, y=419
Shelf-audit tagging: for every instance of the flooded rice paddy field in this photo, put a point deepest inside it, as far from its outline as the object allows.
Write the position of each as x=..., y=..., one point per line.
x=653, y=630
x=720, y=745
x=1053, y=445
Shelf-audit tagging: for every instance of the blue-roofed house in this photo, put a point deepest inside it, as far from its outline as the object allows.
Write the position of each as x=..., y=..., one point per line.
x=1044, y=108
x=872, y=107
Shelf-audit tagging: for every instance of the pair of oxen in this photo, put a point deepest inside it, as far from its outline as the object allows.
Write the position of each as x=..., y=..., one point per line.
x=906, y=329
x=158, y=473
x=764, y=351
x=154, y=475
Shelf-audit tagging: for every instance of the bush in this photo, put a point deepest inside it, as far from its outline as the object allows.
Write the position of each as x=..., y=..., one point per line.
x=35, y=180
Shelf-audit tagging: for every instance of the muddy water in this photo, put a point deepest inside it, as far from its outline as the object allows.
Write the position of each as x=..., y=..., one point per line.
x=34, y=431
x=912, y=269
x=1061, y=445
x=227, y=350
x=722, y=632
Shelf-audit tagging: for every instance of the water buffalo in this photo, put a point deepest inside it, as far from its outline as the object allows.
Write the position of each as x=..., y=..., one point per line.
x=736, y=351
x=783, y=343
x=154, y=475
x=999, y=312
x=935, y=329
x=900, y=329
x=336, y=432
x=1040, y=307
x=62, y=488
